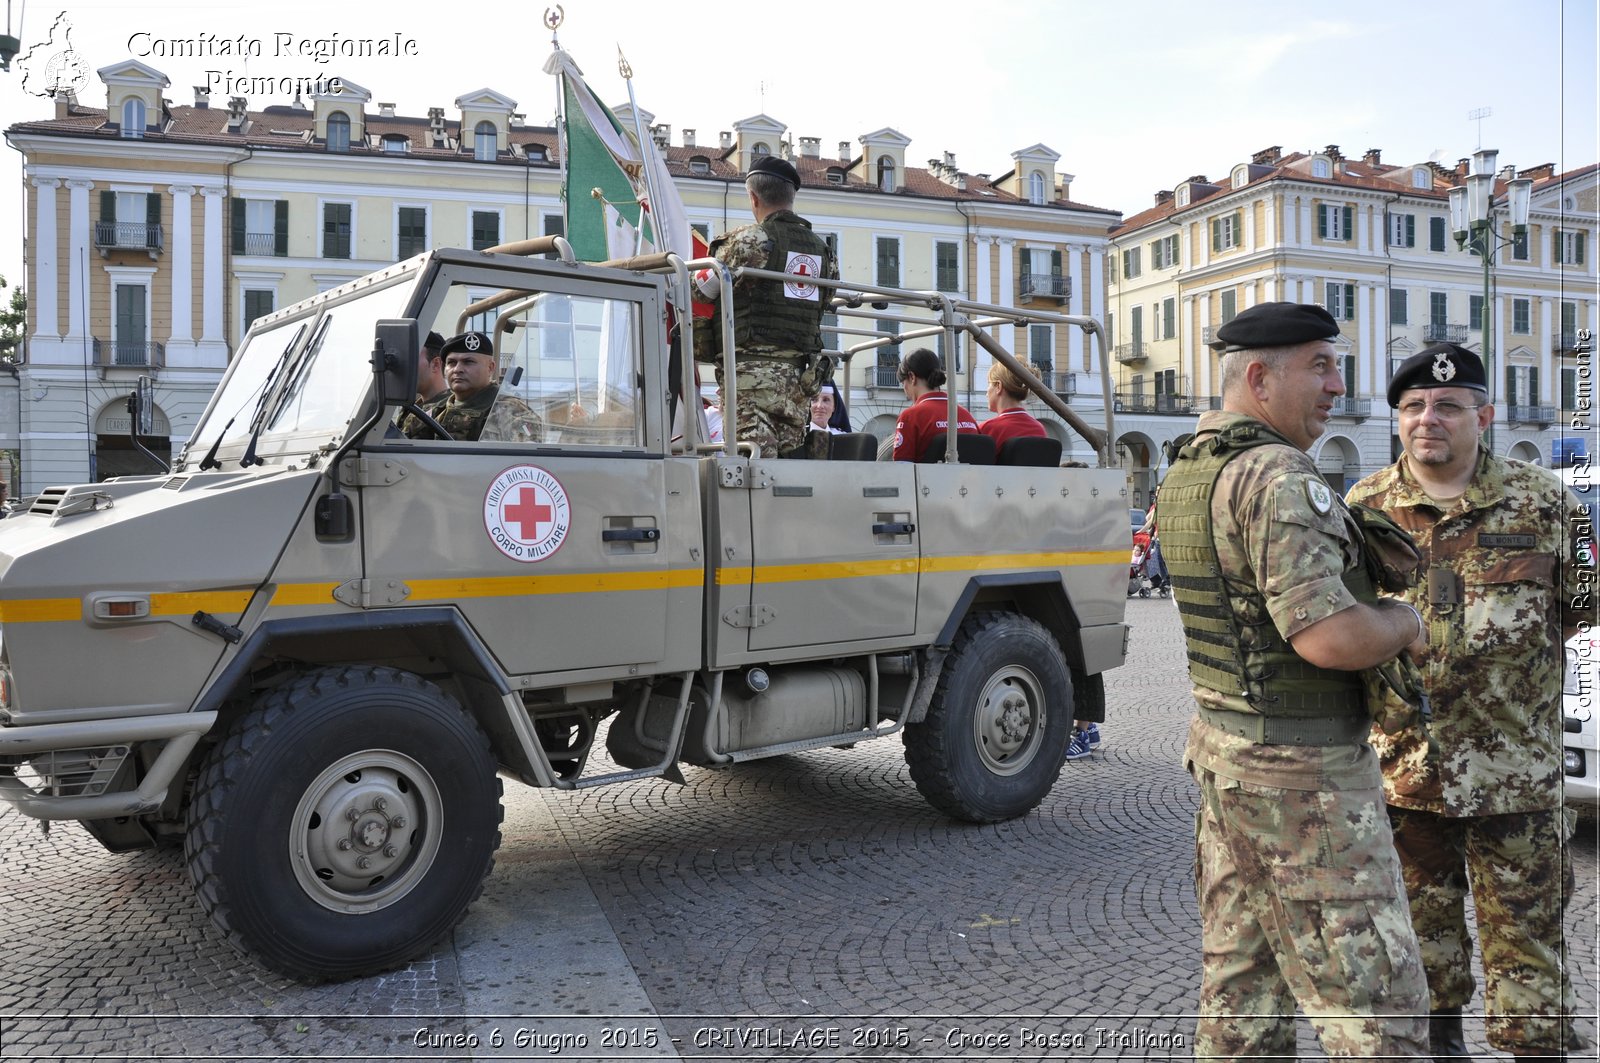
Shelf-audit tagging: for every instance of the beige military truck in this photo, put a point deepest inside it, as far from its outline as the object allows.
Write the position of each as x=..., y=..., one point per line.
x=310, y=652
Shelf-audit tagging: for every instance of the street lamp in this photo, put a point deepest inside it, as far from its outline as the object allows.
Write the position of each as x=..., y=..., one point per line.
x=1472, y=208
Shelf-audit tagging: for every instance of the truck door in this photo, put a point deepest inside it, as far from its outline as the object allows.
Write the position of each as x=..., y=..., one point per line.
x=835, y=548
x=565, y=536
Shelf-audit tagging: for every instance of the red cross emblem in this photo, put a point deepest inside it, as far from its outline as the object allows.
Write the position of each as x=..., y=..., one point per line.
x=527, y=510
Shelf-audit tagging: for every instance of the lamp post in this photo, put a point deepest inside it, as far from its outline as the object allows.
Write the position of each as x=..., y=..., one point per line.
x=1472, y=207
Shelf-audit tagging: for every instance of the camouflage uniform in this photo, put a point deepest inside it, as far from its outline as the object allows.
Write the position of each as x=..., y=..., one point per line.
x=775, y=383
x=486, y=415
x=1481, y=803
x=1295, y=871
x=413, y=427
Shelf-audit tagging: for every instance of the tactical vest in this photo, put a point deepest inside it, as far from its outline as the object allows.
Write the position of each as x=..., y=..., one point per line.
x=1233, y=645
x=764, y=314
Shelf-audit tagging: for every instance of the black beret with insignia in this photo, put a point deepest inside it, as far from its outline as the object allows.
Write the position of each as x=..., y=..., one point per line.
x=471, y=342
x=1439, y=365
x=1276, y=325
x=778, y=168
x=433, y=342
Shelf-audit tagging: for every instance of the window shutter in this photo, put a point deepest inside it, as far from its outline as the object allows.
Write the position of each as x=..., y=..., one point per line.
x=1533, y=385
x=108, y=206
x=1322, y=222
x=280, y=228
x=1411, y=230
x=1055, y=263
x=1349, y=223
x=1216, y=234
x=1577, y=247
x=1022, y=262
x=152, y=208
x=238, y=226
x=1349, y=302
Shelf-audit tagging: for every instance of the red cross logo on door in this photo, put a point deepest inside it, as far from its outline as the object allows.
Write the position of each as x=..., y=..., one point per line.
x=527, y=513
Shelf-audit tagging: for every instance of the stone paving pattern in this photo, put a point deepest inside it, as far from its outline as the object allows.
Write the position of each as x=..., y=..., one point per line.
x=777, y=900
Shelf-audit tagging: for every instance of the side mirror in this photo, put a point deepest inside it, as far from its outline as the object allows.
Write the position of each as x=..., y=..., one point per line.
x=394, y=359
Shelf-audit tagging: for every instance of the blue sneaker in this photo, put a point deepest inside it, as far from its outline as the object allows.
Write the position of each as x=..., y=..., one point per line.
x=1092, y=734
x=1078, y=748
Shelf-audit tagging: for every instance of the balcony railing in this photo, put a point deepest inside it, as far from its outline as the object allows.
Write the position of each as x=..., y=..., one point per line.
x=1439, y=332
x=1060, y=381
x=129, y=353
x=1531, y=414
x=1144, y=402
x=886, y=376
x=1052, y=285
x=260, y=244
x=1345, y=406
x=1564, y=340
x=127, y=235
x=1129, y=353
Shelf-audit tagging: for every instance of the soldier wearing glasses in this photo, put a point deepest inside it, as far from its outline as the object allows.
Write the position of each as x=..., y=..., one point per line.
x=1476, y=797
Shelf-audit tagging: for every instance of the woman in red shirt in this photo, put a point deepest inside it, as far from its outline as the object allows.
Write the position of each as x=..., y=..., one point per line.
x=922, y=375
x=1006, y=394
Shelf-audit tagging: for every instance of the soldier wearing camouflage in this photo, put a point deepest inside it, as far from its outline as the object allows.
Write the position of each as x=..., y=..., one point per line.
x=474, y=409
x=777, y=326
x=1476, y=798
x=1299, y=888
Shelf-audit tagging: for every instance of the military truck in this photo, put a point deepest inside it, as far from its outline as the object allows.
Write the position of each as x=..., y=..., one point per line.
x=310, y=652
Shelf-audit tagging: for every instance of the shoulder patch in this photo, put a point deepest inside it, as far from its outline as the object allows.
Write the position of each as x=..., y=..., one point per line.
x=1320, y=495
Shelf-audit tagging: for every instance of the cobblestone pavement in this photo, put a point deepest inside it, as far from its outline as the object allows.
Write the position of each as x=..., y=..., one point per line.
x=808, y=906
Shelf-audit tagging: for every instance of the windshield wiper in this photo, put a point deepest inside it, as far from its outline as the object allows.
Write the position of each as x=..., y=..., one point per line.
x=260, y=395
x=272, y=402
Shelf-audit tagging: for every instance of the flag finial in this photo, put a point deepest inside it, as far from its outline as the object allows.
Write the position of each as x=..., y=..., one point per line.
x=553, y=17
x=622, y=65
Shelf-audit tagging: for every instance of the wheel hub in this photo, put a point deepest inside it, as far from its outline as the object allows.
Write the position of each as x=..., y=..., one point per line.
x=1009, y=719
x=365, y=831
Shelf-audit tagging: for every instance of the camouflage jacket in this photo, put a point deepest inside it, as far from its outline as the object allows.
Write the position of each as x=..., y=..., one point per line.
x=414, y=427
x=1498, y=575
x=749, y=246
x=1281, y=533
x=486, y=415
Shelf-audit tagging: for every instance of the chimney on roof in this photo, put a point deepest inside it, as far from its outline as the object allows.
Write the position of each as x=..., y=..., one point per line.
x=66, y=100
x=950, y=159
x=661, y=134
x=1332, y=152
x=1373, y=157
x=1163, y=197
x=1542, y=172
x=810, y=147
x=1463, y=167
x=786, y=149
x=724, y=140
x=1268, y=156
x=518, y=118
x=202, y=97
x=1197, y=179
x=688, y=138
x=436, y=126
x=237, y=115
x=385, y=110
x=844, y=151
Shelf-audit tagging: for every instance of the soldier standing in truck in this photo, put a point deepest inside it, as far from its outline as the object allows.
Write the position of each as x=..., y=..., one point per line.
x=778, y=327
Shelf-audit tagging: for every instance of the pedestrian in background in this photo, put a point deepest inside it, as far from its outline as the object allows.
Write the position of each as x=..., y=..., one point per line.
x=1295, y=870
x=1475, y=795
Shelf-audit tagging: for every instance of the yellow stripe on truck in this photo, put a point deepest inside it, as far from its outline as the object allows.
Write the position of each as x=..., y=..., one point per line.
x=740, y=575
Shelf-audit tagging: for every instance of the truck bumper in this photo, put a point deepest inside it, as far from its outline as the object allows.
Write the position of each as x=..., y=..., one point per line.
x=72, y=764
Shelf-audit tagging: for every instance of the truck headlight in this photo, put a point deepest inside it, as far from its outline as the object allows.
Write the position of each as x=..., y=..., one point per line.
x=1569, y=675
x=1572, y=761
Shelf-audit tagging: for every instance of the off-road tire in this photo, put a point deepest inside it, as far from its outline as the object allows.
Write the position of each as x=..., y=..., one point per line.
x=344, y=824
x=997, y=729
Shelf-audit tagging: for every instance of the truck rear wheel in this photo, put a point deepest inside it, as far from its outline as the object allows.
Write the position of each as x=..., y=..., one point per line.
x=345, y=823
x=997, y=729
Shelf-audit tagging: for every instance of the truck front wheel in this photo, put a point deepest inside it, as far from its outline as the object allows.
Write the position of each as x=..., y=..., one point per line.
x=344, y=824
x=997, y=728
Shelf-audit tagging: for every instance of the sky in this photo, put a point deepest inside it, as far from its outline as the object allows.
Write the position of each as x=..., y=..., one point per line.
x=1135, y=96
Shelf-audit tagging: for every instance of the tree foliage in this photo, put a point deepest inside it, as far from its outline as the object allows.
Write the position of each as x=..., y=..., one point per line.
x=13, y=320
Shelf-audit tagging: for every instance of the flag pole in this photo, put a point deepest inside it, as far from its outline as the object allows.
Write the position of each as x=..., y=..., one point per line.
x=644, y=164
x=553, y=17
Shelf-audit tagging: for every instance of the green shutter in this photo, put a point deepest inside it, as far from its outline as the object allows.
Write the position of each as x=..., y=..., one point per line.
x=1511, y=387
x=108, y=206
x=238, y=226
x=1216, y=234
x=1533, y=385
x=1577, y=249
x=1055, y=263
x=280, y=228
x=1349, y=223
x=152, y=208
x=1349, y=302
x=1322, y=222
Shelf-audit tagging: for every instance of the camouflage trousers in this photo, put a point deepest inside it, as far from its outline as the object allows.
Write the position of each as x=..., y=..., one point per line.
x=1520, y=877
x=1301, y=904
x=774, y=399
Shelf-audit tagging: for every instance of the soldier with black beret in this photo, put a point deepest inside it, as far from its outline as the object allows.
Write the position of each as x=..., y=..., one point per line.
x=475, y=409
x=1299, y=887
x=777, y=325
x=1476, y=799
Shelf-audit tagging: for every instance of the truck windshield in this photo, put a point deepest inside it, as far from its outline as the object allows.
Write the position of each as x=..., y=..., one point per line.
x=302, y=390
